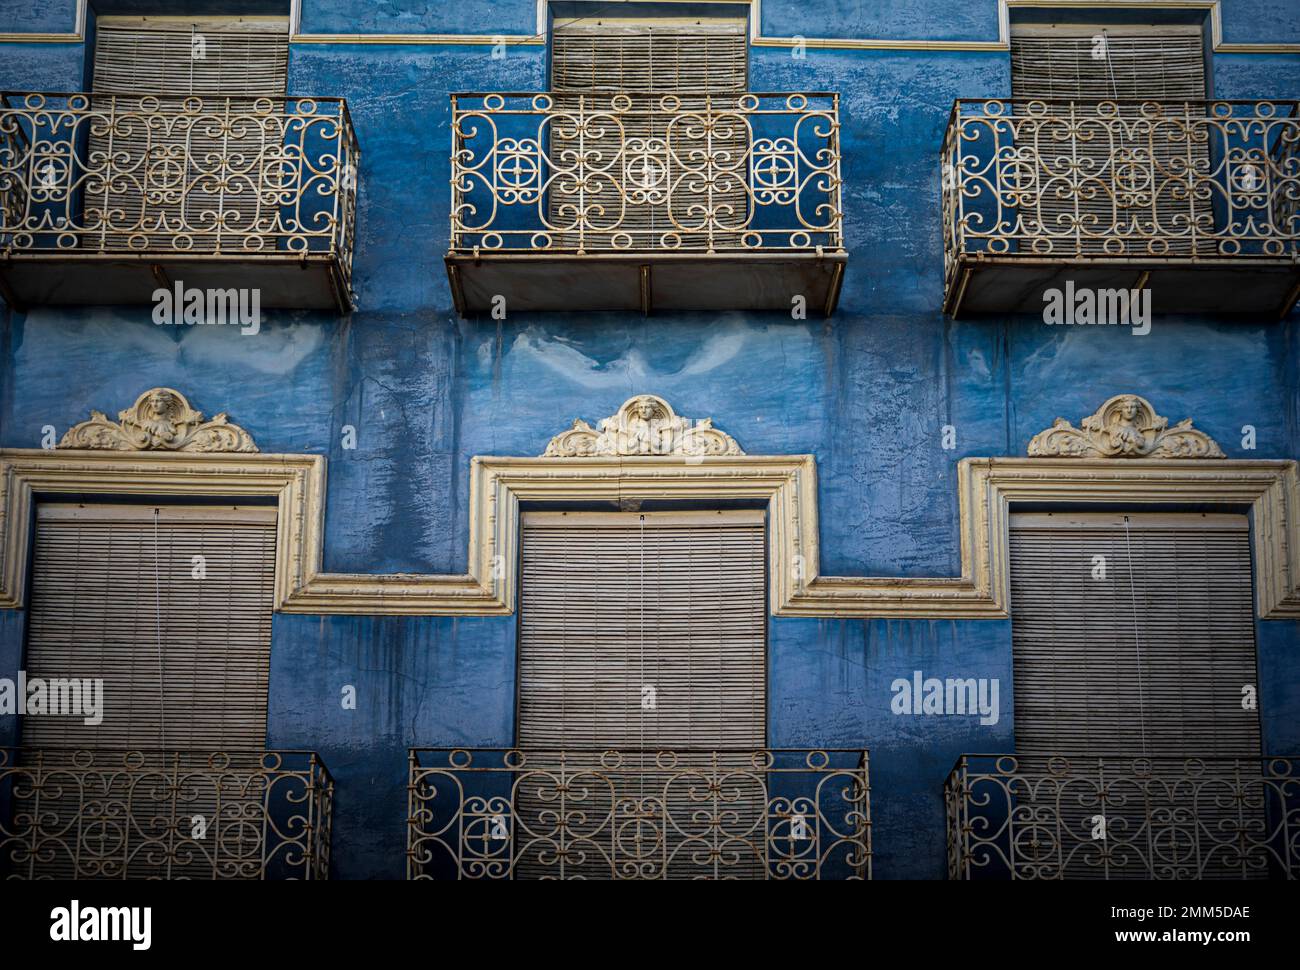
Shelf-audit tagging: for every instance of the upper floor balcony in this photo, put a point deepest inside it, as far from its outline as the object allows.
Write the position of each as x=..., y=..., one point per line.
x=1198, y=201
x=534, y=813
x=106, y=198
x=594, y=201
x=98, y=813
x=1123, y=817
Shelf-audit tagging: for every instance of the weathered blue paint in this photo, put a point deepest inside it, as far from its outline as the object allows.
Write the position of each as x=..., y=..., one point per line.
x=866, y=393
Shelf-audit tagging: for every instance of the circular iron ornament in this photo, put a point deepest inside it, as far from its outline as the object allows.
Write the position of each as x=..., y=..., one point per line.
x=666, y=760
x=1006, y=765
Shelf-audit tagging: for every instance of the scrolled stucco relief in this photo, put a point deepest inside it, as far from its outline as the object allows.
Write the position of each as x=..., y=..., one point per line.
x=161, y=419
x=645, y=425
x=1126, y=426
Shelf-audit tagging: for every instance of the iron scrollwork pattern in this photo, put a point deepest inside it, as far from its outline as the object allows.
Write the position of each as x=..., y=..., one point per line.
x=118, y=814
x=1142, y=179
x=509, y=813
x=576, y=173
x=167, y=174
x=1021, y=817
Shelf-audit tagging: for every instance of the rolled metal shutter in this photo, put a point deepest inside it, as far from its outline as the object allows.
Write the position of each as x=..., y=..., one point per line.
x=233, y=166
x=1145, y=665
x=640, y=160
x=611, y=603
x=1166, y=63
x=111, y=588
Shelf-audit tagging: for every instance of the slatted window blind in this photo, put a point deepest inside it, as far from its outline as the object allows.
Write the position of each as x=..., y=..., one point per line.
x=230, y=164
x=105, y=592
x=1159, y=63
x=611, y=603
x=155, y=56
x=1148, y=662
x=184, y=663
x=703, y=63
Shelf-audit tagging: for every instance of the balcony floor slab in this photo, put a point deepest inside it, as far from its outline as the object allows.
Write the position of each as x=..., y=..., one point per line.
x=315, y=282
x=1237, y=286
x=646, y=282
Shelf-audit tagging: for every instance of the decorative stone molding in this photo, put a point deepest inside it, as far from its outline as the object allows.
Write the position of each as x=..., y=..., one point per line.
x=1126, y=426
x=988, y=488
x=645, y=425
x=160, y=420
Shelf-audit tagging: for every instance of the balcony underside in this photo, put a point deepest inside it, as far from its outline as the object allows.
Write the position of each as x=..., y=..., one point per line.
x=646, y=281
x=1014, y=284
x=313, y=282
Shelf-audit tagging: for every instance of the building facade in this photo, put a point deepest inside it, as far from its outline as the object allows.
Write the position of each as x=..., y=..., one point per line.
x=875, y=422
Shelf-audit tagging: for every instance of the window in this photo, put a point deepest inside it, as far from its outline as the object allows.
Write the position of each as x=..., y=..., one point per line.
x=200, y=167
x=644, y=633
x=171, y=609
x=656, y=166
x=1117, y=183
x=1133, y=639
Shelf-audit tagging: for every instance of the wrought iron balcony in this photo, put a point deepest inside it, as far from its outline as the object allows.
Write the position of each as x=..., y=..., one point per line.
x=116, y=814
x=1199, y=201
x=106, y=198
x=509, y=813
x=568, y=201
x=1020, y=817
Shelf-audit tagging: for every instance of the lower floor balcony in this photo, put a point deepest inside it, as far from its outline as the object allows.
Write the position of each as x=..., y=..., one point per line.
x=535, y=813
x=176, y=814
x=1132, y=817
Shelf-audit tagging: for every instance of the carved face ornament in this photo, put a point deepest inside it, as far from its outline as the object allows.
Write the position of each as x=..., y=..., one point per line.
x=1126, y=426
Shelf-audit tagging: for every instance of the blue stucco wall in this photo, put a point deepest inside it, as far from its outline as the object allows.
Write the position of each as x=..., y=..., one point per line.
x=866, y=393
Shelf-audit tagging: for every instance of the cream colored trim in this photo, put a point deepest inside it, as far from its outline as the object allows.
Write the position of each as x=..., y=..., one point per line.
x=76, y=36
x=296, y=482
x=987, y=488
x=756, y=38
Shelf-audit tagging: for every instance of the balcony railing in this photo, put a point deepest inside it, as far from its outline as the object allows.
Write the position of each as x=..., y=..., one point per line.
x=1198, y=200
x=570, y=200
x=508, y=813
x=105, y=197
x=117, y=814
x=1020, y=817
